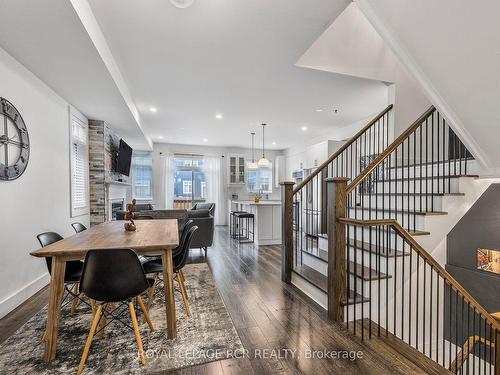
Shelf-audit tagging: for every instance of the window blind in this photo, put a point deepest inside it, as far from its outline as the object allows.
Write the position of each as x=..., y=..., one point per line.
x=79, y=178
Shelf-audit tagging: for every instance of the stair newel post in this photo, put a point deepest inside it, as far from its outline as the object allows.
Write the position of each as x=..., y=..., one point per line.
x=337, y=208
x=286, y=231
x=497, y=352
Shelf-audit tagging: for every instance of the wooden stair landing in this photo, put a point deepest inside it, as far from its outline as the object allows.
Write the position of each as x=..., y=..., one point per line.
x=389, y=345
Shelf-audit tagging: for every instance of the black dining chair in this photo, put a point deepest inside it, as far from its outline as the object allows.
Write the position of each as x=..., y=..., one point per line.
x=179, y=261
x=114, y=276
x=78, y=227
x=72, y=272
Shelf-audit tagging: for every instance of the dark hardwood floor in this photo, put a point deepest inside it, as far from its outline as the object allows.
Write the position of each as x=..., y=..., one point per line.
x=272, y=319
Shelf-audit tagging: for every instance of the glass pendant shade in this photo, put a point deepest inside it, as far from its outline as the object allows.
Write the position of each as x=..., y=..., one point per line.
x=263, y=162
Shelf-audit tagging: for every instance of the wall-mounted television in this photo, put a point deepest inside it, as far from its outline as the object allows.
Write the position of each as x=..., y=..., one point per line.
x=124, y=158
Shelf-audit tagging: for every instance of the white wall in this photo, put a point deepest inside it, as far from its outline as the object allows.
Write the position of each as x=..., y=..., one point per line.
x=39, y=200
x=353, y=47
x=170, y=149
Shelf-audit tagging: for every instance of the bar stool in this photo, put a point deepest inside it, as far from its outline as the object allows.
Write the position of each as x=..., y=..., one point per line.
x=233, y=225
x=243, y=226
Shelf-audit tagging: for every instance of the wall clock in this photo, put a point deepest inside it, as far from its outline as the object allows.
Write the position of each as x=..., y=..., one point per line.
x=14, y=142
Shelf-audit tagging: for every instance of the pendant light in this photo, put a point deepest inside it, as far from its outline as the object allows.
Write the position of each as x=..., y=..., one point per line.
x=263, y=162
x=253, y=165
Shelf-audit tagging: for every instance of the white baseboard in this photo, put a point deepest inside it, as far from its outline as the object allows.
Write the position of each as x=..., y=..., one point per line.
x=15, y=299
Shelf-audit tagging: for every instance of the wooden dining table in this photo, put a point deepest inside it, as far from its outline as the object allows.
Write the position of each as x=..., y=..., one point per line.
x=152, y=237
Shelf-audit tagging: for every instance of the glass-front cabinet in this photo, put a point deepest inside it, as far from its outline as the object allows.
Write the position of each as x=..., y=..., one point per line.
x=236, y=170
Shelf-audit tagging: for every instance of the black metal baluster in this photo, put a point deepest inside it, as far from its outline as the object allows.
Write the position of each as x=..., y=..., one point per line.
x=432, y=162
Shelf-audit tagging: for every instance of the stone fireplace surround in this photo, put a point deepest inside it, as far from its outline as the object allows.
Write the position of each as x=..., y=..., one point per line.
x=104, y=184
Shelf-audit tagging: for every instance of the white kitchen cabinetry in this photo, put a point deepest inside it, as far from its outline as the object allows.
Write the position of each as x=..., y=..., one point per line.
x=236, y=169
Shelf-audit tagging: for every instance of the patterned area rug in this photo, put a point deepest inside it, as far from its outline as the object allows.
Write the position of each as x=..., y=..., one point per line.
x=206, y=336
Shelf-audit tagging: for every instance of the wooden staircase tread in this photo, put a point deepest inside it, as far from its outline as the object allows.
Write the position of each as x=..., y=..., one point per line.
x=321, y=281
x=379, y=209
x=314, y=277
x=378, y=250
x=355, y=298
x=317, y=253
x=366, y=273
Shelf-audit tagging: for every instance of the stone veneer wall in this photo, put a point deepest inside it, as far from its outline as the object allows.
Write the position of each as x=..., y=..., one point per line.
x=103, y=145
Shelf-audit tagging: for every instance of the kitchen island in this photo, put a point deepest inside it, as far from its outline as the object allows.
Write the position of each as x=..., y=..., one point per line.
x=267, y=216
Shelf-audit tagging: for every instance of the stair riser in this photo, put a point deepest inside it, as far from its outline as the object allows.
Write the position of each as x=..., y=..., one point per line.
x=411, y=220
x=421, y=202
x=385, y=263
x=418, y=185
x=315, y=263
x=427, y=171
x=396, y=241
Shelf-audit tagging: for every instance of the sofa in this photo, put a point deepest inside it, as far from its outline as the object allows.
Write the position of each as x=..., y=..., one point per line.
x=202, y=217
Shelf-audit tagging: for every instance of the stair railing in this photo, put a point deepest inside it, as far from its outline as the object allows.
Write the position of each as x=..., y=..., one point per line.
x=427, y=309
x=304, y=208
x=386, y=283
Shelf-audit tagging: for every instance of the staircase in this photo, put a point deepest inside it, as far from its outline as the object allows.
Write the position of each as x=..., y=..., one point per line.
x=354, y=232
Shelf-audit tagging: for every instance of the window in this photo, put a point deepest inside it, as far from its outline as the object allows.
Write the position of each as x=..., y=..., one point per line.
x=79, y=164
x=142, y=177
x=187, y=187
x=190, y=185
x=260, y=180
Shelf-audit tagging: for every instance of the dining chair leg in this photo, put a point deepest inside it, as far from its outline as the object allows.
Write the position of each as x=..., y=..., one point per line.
x=92, y=303
x=182, y=286
x=79, y=299
x=136, y=332
x=44, y=337
x=86, y=349
x=145, y=312
x=104, y=320
x=75, y=300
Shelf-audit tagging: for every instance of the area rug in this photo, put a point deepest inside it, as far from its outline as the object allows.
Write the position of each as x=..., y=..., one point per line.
x=206, y=336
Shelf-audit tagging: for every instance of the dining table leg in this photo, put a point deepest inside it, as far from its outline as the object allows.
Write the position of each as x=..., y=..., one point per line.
x=56, y=293
x=168, y=281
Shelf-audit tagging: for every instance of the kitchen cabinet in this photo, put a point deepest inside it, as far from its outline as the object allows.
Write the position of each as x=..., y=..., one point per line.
x=236, y=169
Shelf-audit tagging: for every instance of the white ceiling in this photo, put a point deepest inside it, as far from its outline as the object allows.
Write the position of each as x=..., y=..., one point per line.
x=235, y=57
x=453, y=49
x=48, y=38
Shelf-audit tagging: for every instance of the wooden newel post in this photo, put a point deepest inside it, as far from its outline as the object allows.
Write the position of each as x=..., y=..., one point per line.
x=497, y=353
x=337, y=208
x=286, y=231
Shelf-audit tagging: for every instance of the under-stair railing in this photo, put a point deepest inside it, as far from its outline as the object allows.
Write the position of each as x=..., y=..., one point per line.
x=419, y=303
x=304, y=207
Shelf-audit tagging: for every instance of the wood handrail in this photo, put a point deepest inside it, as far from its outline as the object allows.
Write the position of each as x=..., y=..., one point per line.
x=427, y=257
x=467, y=348
x=374, y=164
x=342, y=149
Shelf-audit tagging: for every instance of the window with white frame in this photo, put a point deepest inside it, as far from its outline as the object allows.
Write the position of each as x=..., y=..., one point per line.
x=187, y=187
x=79, y=165
x=260, y=181
x=142, y=177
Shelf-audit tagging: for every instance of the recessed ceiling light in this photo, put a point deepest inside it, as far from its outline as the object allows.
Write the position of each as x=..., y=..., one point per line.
x=205, y=140
x=218, y=116
x=153, y=109
x=160, y=137
x=319, y=110
x=304, y=128
x=274, y=143
x=182, y=4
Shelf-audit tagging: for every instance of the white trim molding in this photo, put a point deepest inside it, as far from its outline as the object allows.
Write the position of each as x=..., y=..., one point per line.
x=390, y=37
x=10, y=302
